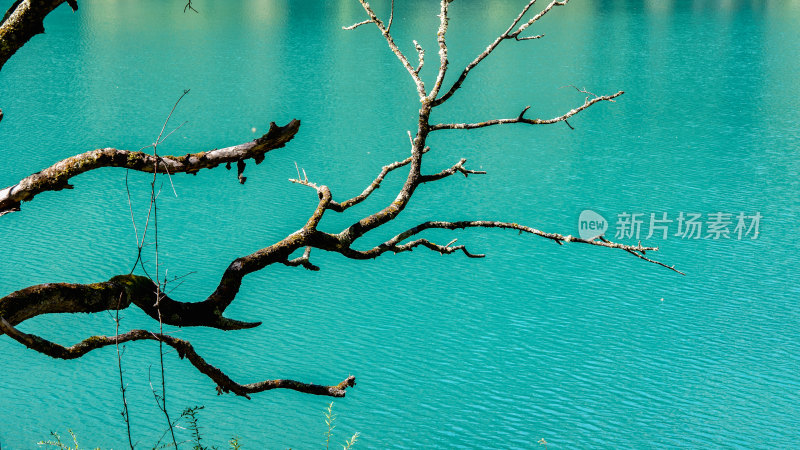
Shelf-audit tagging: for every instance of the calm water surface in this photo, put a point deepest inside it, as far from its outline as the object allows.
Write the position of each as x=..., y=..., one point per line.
x=584, y=347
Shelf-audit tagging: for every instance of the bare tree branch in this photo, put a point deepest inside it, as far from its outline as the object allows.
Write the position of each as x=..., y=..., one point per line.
x=442, y=249
x=57, y=177
x=521, y=118
x=640, y=253
x=125, y=412
x=529, y=38
x=189, y=7
x=394, y=244
x=117, y=293
x=391, y=18
x=21, y=22
x=122, y=291
x=185, y=350
x=537, y=17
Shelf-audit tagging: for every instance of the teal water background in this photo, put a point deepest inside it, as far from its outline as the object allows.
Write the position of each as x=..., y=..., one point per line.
x=584, y=347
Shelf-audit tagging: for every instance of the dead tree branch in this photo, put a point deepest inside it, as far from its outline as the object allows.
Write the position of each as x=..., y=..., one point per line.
x=395, y=243
x=185, y=350
x=521, y=118
x=189, y=7
x=115, y=294
x=57, y=176
x=124, y=290
x=302, y=261
x=458, y=167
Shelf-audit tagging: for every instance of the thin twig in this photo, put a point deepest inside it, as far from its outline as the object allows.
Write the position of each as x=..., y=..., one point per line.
x=391, y=18
x=356, y=25
x=522, y=119
x=373, y=18
x=125, y=413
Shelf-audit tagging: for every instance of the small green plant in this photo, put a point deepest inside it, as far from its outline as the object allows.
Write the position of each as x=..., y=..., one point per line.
x=348, y=444
x=330, y=419
x=192, y=425
x=60, y=445
x=191, y=417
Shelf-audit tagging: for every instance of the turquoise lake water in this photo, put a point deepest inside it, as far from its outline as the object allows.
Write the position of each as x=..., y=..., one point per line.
x=581, y=346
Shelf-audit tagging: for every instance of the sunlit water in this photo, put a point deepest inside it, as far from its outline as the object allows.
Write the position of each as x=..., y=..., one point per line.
x=583, y=347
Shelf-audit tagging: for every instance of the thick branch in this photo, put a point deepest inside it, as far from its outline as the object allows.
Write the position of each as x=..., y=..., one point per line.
x=120, y=291
x=521, y=118
x=23, y=20
x=185, y=350
x=117, y=293
x=231, y=281
x=57, y=177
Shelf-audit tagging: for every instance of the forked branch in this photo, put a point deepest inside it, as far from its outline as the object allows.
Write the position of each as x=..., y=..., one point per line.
x=395, y=244
x=510, y=33
x=456, y=168
x=341, y=207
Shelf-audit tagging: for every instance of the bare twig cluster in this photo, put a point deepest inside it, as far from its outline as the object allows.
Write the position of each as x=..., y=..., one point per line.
x=121, y=291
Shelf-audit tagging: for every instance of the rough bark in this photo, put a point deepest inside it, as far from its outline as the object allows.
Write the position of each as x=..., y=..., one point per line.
x=57, y=176
x=117, y=293
x=23, y=20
